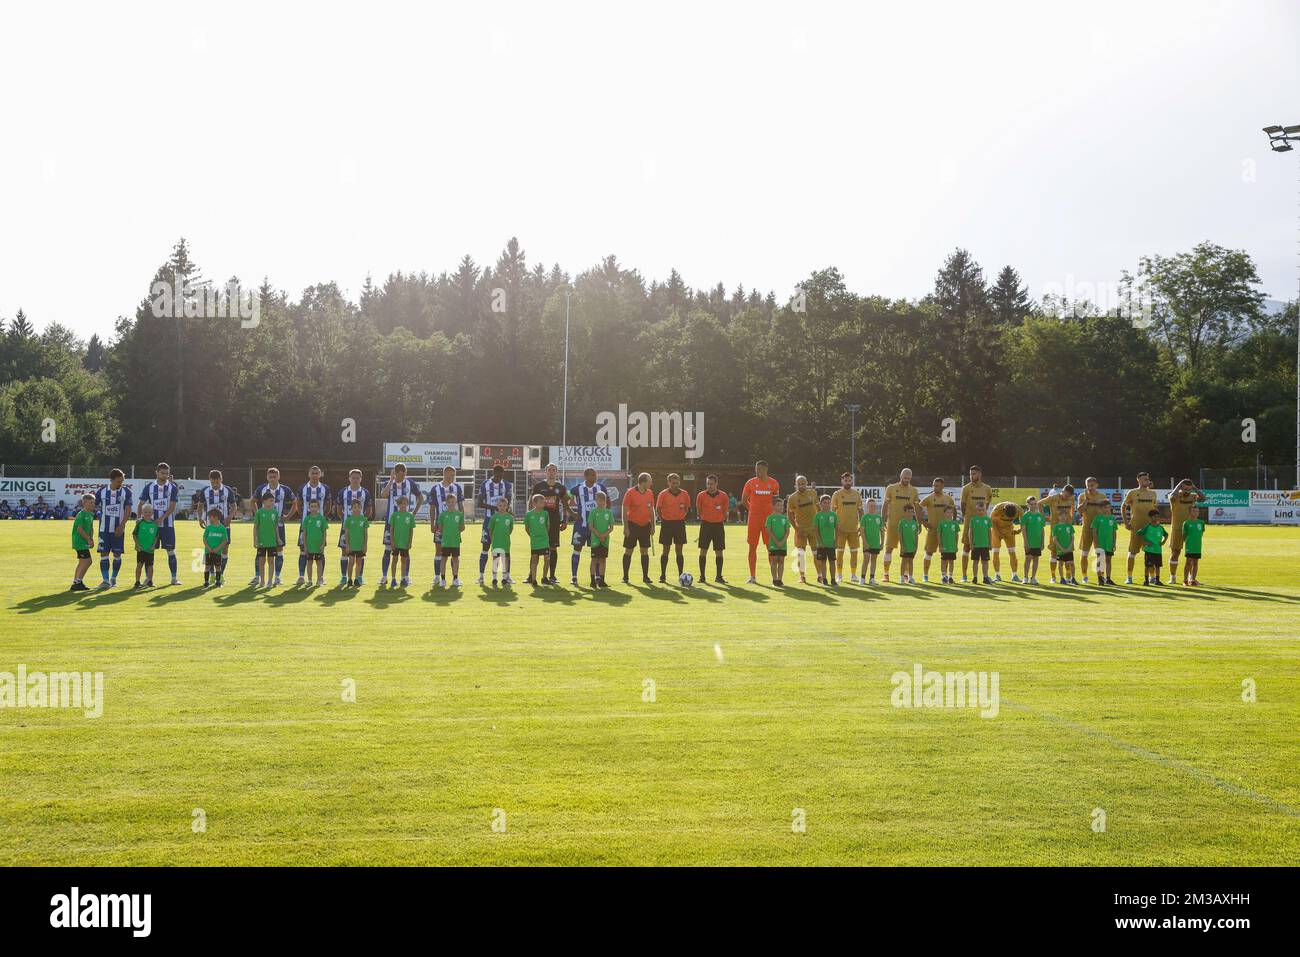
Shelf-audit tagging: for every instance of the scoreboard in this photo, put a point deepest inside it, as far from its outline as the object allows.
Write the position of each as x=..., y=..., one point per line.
x=509, y=457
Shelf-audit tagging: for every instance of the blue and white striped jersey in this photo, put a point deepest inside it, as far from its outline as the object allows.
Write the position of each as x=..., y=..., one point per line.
x=348, y=495
x=395, y=490
x=439, y=494
x=161, y=498
x=314, y=493
x=283, y=497
x=223, y=498
x=491, y=492
x=586, y=496
x=113, y=507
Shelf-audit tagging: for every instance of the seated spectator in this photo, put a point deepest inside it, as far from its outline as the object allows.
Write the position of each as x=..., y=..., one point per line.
x=61, y=509
x=5, y=510
x=22, y=511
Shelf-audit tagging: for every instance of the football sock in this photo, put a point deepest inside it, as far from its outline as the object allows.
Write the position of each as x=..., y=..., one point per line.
x=663, y=564
x=717, y=560
x=103, y=567
x=388, y=557
x=645, y=564
x=302, y=564
x=576, y=562
x=753, y=560
x=703, y=564
x=279, y=565
x=437, y=566
x=171, y=562
x=343, y=567
x=627, y=563
x=117, y=566
x=681, y=564
x=482, y=564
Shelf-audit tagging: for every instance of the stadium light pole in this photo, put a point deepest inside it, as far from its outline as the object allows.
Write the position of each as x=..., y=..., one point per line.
x=853, y=410
x=564, y=416
x=1280, y=139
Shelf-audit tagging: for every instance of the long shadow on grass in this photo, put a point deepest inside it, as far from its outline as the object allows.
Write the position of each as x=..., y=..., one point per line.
x=610, y=596
x=809, y=594
x=553, y=594
x=288, y=596
x=700, y=594
x=41, y=602
x=747, y=592
x=383, y=597
x=239, y=596
x=176, y=594
x=1249, y=594
x=861, y=593
x=662, y=593
x=338, y=594
x=498, y=596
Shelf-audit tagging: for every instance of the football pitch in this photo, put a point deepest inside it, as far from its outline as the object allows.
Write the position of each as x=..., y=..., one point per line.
x=650, y=725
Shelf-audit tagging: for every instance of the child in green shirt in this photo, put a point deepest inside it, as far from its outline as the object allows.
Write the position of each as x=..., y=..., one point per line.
x=949, y=537
x=145, y=535
x=356, y=534
x=1193, y=535
x=315, y=529
x=873, y=539
x=1032, y=523
x=500, y=525
x=601, y=522
x=1154, y=536
x=824, y=522
x=778, y=537
x=1104, y=526
x=216, y=542
x=538, y=525
x=451, y=522
x=266, y=539
x=981, y=543
x=1063, y=551
x=401, y=533
x=83, y=540
x=909, y=534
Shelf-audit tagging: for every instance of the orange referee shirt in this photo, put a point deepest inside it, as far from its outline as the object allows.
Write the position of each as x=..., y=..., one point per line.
x=673, y=506
x=712, y=508
x=637, y=504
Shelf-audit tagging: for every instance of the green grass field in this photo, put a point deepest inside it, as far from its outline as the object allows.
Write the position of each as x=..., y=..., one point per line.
x=531, y=702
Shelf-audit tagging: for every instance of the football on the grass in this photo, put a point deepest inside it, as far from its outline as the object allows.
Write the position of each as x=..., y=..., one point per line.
x=686, y=580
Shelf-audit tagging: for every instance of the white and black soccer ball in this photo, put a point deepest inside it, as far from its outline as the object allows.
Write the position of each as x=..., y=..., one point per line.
x=687, y=580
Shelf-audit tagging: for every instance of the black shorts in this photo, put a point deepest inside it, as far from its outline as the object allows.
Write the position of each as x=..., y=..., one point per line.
x=356, y=554
x=672, y=531
x=1065, y=558
x=948, y=556
x=874, y=551
x=267, y=552
x=312, y=556
x=600, y=551
x=901, y=553
x=212, y=559
x=449, y=552
x=715, y=534
x=1033, y=552
x=1151, y=560
x=539, y=552
x=776, y=552
x=83, y=552
x=1196, y=555
x=400, y=552
x=979, y=553
x=554, y=529
x=144, y=558
x=636, y=535
x=827, y=552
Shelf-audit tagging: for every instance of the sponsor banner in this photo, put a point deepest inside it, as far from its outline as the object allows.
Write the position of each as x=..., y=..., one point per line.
x=1286, y=515
x=1226, y=497
x=1282, y=498
x=1241, y=514
x=579, y=457
x=422, y=455
x=70, y=490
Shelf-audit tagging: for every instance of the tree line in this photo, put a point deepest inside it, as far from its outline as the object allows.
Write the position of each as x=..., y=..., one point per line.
x=973, y=372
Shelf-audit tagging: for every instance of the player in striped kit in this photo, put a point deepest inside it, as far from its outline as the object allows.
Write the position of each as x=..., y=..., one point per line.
x=354, y=491
x=113, y=506
x=163, y=494
x=282, y=501
x=225, y=500
x=581, y=503
x=490, y=492
x=314, y=491
x=441, y=491
x=395, y=487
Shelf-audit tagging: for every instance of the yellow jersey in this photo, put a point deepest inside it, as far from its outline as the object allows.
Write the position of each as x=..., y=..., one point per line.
x=974, y=494
x=847, y=505
x=934, y=505
x=897, y=497
x=800, y=507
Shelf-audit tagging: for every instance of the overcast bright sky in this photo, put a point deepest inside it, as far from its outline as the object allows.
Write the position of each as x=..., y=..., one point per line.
x=747, y=143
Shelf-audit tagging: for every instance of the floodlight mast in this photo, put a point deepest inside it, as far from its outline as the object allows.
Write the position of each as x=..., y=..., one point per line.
x=1280, y=140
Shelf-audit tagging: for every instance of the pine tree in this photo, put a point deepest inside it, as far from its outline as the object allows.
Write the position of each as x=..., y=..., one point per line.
x=1008, y=299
